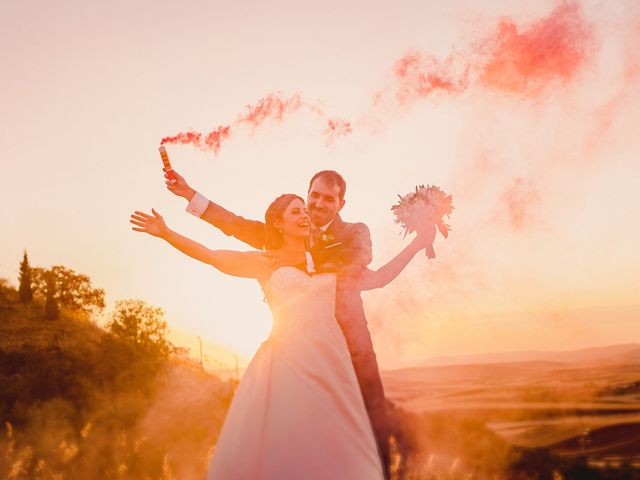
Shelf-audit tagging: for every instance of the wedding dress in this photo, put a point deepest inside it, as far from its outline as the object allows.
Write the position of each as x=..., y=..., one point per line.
x=298, y=413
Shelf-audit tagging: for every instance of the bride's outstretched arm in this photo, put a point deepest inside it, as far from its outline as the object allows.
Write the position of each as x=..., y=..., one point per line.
x=238, y=264
x=371, y=279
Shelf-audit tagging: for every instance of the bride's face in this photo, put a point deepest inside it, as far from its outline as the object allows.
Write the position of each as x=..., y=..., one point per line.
x=295, y=220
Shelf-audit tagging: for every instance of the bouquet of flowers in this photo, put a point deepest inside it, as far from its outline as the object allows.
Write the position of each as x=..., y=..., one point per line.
x=426, y=205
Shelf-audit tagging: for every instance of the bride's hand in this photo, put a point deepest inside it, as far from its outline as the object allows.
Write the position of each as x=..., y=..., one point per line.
x=151, y=224
x=425, y=235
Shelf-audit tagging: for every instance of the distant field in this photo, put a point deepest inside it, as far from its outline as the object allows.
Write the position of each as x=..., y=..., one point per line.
x=572, y=407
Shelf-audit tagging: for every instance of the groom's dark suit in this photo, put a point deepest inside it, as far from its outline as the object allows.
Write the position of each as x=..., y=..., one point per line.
x=346, y=249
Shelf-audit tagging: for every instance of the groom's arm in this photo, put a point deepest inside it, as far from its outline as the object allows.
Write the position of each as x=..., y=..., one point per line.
x=250, y=232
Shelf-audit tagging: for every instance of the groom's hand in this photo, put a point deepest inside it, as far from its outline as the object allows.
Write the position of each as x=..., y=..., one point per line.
x=178, y=185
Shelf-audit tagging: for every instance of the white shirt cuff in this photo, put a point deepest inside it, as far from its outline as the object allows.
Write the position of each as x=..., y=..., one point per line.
x=197, y=205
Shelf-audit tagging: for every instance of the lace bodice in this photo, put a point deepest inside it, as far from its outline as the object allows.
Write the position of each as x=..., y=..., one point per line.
x=301, y=303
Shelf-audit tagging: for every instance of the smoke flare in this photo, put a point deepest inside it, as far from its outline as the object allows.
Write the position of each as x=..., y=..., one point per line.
x=512, y=60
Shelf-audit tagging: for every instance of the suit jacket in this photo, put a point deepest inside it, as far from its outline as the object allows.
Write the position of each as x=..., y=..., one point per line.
x=344, y=248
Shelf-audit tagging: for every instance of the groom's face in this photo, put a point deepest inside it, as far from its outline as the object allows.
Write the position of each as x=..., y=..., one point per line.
x=323, y=202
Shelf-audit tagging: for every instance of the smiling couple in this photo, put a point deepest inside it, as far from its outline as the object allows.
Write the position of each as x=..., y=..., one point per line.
x=311, y=403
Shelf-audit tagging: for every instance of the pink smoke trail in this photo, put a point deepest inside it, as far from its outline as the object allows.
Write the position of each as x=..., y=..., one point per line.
x=510, y=59
x=272, y=107
x=519, y=201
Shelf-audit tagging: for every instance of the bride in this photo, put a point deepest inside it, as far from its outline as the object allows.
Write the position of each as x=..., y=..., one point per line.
x=298, y=412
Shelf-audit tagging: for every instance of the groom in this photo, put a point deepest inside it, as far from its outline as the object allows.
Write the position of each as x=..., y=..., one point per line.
x=336, y=246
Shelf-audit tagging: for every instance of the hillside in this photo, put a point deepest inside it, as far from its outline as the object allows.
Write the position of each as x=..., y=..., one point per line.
x=576, y=404
x=77, y=402
x=624, y=353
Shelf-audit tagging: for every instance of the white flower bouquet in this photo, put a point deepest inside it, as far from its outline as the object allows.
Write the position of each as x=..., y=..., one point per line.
x=424, y=206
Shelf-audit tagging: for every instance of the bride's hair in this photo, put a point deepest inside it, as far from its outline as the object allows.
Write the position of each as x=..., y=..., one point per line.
x=273, y=238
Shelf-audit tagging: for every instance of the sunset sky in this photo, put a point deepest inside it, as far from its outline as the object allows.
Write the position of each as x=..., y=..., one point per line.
x=527, y=112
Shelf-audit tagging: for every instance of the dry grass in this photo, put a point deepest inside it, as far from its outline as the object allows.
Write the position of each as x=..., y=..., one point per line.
x=22, y=464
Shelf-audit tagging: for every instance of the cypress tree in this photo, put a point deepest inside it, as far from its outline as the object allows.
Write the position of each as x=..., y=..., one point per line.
x=25, y=289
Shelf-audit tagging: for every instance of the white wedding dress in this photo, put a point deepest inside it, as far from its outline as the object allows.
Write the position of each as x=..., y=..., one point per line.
x=298, y=413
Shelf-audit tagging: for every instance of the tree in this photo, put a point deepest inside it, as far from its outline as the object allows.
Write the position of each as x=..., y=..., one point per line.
x=51, y=310
x=71, y=290
x=5, y=290
x=141, y=326
x=25, y=290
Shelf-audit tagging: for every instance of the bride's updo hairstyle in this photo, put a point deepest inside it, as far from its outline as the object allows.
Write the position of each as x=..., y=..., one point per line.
x=273, y=238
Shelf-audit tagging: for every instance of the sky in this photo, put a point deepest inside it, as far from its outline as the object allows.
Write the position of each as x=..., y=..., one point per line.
x=526, y=113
